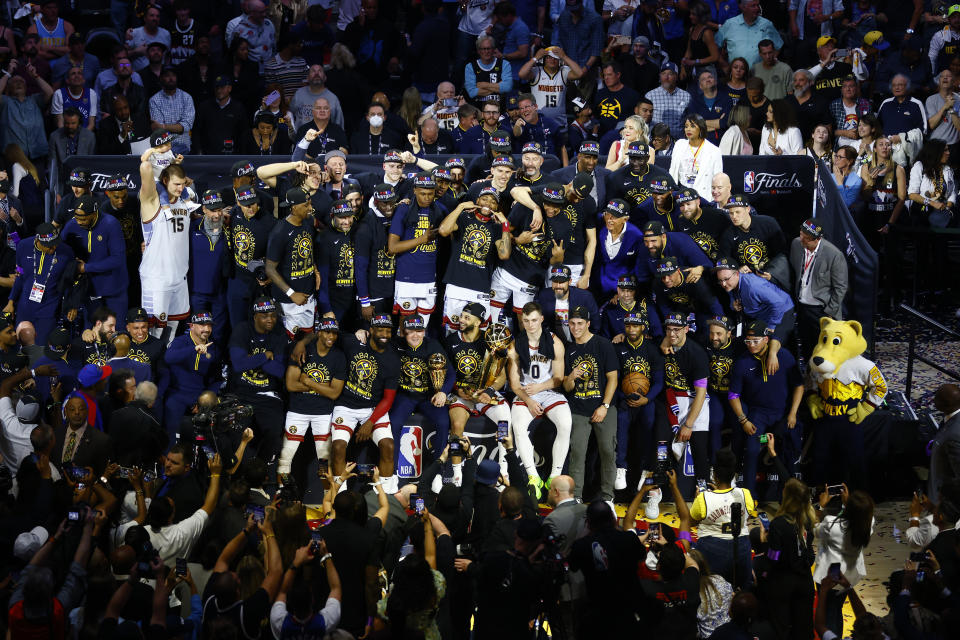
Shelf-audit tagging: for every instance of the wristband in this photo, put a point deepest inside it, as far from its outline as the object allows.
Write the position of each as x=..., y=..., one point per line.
x=288, y=292
x=506, y=227
x=269, y=535
x=684, y=535
x=490, y=391
x=742, y=419
x=325, y=557
x=364, y=302
x=214, y=475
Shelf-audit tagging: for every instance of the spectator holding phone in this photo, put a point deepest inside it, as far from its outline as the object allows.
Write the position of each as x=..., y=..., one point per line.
x=292, y=615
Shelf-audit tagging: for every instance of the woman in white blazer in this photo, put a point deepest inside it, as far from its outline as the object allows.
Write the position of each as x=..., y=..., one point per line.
x=735, y=141
x=780, y=136
x=695, y=161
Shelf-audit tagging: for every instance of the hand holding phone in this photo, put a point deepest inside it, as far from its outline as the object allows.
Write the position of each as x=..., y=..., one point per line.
x=181, y=566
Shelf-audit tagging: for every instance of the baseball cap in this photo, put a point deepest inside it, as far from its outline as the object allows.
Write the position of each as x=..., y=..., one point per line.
x=91, y=374
x=660, y=186
x=635, y=318
x=618, y=208
x=675, y=320
x=326, y=324
x=513, y=102
x=953, y=9
x=720, y=321
x=822, y=40
x=160, y=137
x=28, y=408
x=628, y=281
x=341, y=209
x=532, y=147
x=29, y=542
x=413, y=323
x=455, y=162
x=500, y=140
x=579, y=104
x=580, y=312
x=552, y=52
x=264, y=304
x=137, y=314
x=202, y=317
x=86, y=204
x=582, y=184
x=57, y=342
x=668, y=66
x=876, y=40
x=638, y=149
x=589, y=148
x=489, y=191
x=725, y=264
x=560, y=274
x=810, y=227
x=392, y=156
x=48, y=235
x=79, y=177
x=654, y=227
x=296, y=195
x=381, y=320
x=488, y=472
x=384, y=192
x=247, y=196
x=502, y=161
x=644, y=40
x=667, y=266
x=242, y=168
x=222, y=81
x=687, y=195
x=756, y=327
x=116, y=183
x=424, y=180
x=439, y=173
x=553, y=193
x=212, y=200
x=334, y=153
x=737, y=200
x=157, y=43
x=475, y=309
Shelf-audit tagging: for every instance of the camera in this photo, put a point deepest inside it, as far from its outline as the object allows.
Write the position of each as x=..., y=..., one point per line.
x=503, y=430
x=229, y=415
x=456, y=447
x=466, y=550
x=662, y=465
x=365, y=473
x=835, y=489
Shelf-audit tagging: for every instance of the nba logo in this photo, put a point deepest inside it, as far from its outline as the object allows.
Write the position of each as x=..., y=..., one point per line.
x=410, y=455
x=748, y=181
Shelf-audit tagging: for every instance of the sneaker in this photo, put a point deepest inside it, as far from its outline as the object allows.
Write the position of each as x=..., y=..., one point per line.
x=621, y=481
x=643, y=478
x=536, y=484
x=652, y=510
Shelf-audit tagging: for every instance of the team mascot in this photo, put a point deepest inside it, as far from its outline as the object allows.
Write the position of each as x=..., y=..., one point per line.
x=847, y=383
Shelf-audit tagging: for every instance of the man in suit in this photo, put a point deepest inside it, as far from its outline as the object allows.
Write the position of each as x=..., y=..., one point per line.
x=945, y=454
x=557, y=301
x=79, y=443
x=587, y=162
x=819, y=282
x=566, y=523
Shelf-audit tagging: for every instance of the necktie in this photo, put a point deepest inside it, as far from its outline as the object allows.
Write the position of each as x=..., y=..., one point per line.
x=71, y=445
x=4, y=209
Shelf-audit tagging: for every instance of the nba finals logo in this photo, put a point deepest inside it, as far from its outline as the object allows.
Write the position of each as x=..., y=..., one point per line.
x=410, y=455
x=749, y=180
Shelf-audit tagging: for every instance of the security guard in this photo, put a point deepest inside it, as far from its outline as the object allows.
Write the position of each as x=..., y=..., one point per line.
x=250, y=226
x=209, y=255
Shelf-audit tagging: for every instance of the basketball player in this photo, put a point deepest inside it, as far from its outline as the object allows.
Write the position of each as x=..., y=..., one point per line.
x=535, y=367
x=467, y=348
x=165, y=218
x=290, y=265
x=313, y=387
x=372, y=373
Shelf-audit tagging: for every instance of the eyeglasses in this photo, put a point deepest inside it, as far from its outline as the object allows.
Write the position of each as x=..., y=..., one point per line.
x=485, y=49
x=124, y=65
x=725, y=280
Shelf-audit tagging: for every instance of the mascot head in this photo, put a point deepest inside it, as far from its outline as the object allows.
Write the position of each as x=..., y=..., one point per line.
x=838, y=342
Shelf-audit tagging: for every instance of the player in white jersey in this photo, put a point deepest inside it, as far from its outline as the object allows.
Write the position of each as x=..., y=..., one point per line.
x=535, y=370
x=547, y=73
x=165, y=218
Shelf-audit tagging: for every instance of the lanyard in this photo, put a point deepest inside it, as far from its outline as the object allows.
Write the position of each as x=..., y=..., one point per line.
x=38, y=268
x=697, y=153
x=807, y=271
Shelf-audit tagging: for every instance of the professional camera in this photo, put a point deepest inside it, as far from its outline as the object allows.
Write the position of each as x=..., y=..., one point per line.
x=228, y=415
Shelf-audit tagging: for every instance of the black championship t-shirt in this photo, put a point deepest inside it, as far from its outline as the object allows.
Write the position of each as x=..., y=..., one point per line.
x=336, y=250
x=246, y=338
x=687, y=365
x=150, y=352
x=370, y=244
x=368, y=373
x=644, y=357
x=582, y=216
x=291, y=247
x=597, y=358
x=474, y=253
x=467, y=359
x=322, y=369
x=528, y=262
x=707, y=230
x=756, y=246
x=634, y=187
x=415, y=373
x=248, y=240
x=721, y=365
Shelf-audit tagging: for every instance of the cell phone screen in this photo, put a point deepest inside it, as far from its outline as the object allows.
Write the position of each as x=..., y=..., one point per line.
x=181, y=566
x=834, y=571
x=257, y=512
x=503, y=430
x=764, y=520
x=654, y=530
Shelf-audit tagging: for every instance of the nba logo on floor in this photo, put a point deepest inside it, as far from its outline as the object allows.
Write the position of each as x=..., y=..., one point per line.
x=748, y=181
x=410, y=455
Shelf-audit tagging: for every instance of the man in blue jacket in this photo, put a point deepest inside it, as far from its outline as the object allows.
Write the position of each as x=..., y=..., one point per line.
x=208, y=264
x=619, y=246
x=194, y=363
x=98, y=244
x=661, y=243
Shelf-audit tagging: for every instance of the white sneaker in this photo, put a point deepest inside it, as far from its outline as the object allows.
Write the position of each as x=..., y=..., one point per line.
x=643, y=478
x=621, y=481
x=652, y=510
x=390, y=485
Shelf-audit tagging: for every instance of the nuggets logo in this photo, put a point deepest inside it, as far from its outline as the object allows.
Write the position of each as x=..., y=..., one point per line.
x=753, y=252
x=365, y=367
x=467, y=365
x=292, y=429
x=318, y=373
x=610, y=109
x=707, y=243
x=243, y=241
x=413, y=374
x=679, y=299
x=476, y=245
x=638, y=366
x=720, y=373
x=672, y=371
x=587, y=385
x=339, y=420
x=303, y=247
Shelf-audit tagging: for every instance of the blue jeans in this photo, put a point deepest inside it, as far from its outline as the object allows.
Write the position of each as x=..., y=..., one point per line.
x=635, y=422
x=764, y=420
x=719, y=554
x=439, y=417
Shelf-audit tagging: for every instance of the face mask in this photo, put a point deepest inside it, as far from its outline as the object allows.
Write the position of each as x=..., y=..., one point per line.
x=376, y=121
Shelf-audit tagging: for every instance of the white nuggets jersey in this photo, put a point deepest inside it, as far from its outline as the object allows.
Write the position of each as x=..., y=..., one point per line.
x=539, y=370
x=166, y=257
x=550, y=92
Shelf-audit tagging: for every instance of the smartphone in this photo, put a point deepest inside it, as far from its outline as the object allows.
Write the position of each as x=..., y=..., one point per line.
x=764, y=520
x=654, y=529
x=257, y=511
x=841, y=53
x=835, y=489
x=662, y=452
x=81, y=486
x=701, y=485
x=365, y=472
x=649, y=481
x=77, y=472
x=323, y=467
x=417, y=502
x=918, y=556
x=503, y=430
x=834, y=571
x=450, y=102
x=209, y=451
x=73, y=516
x=315, y=538
x=181, y=566
x=123, y=472
x=764, y=439
x=271, y=97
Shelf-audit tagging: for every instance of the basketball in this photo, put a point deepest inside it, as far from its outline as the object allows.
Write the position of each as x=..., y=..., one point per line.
x=635, y=382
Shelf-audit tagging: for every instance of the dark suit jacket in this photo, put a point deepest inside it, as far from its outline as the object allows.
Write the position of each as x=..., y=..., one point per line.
x=569, y=172
x=108, y=133
x=577, y=298
x=944, y=457
x=94, y=449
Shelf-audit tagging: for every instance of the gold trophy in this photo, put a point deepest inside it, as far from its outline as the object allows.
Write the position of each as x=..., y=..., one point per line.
x=437, y=364
x=498, y=338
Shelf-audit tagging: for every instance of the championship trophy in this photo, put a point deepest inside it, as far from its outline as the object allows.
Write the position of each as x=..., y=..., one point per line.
x=437, y=364
x=498, y=338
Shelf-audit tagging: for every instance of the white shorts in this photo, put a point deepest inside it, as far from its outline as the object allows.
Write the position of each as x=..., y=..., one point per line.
x=345, y=421
x=479, y=408
x=299, y=316
x=296, y=425
x=548, y=399
x=456, y=298
x=505, y=286
x=414, y=297
x=576, y=270
x=167, y=304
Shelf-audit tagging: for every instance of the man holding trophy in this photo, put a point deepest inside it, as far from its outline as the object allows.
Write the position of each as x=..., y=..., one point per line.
x=479, y=365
